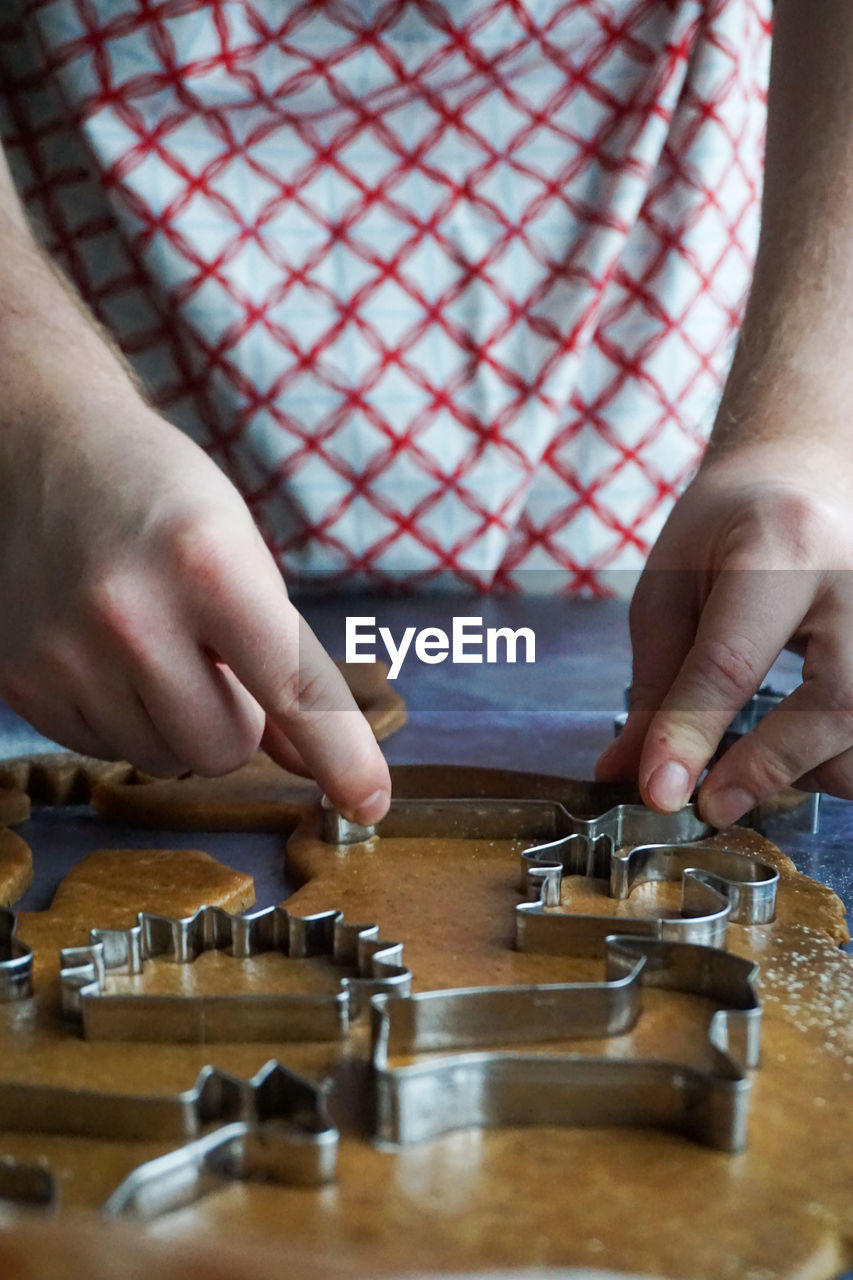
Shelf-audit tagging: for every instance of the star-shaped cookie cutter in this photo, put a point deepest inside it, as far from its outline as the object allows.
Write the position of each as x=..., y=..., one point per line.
x=463, y=1085
x=269, y=1152
x=267, y=1016
x=275, y=1093
x=16, y=960
x=274, y=1127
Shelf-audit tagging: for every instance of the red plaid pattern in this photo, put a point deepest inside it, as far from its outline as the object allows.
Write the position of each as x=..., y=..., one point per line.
x=447, y=288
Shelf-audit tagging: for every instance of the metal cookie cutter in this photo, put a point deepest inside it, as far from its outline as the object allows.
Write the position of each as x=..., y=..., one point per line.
x=717, y=886
x=759, y=705
x=539, y=820
x=488, y=1089
x=267, y=1152
x=217, y=1097
x=626, y=845
x=32, y=1185
x=16, y=960
x=244, y=1017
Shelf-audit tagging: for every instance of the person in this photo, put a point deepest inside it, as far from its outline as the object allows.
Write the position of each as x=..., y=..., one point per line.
x=443, y=289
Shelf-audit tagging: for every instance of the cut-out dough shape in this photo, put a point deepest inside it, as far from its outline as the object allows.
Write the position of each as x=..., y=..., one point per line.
x=261, y=796
x=452, y=901
x=16, y=867
x=61, y=777
x=15, y=806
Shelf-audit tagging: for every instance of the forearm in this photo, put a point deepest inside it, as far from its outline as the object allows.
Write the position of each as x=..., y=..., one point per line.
x=50, y=345
x=799, y=321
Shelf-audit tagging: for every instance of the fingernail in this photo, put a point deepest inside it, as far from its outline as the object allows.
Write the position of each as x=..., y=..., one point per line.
x=669, y=786
x=372, y=809
x=722, y=808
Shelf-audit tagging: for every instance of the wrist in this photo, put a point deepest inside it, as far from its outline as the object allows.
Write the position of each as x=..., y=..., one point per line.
x=790, y=384
x=52, y=351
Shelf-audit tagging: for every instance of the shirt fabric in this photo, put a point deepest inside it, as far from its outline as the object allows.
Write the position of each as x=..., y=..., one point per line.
x=448, y=289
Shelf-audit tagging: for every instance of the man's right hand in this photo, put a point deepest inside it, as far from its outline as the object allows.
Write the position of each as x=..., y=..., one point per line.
x=141, y=615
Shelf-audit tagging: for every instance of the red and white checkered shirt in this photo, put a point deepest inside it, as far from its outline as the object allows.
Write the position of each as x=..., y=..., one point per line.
x=448, y=288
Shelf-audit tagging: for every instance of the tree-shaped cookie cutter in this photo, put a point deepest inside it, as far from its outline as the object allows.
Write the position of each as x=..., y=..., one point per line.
x=626, y=846
x=16, y=960
x=461, y=1084
x=265, y=1016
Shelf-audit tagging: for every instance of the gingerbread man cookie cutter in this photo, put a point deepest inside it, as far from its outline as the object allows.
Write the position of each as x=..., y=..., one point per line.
x=376, y=967
x=16, y=960
x=459, y=1084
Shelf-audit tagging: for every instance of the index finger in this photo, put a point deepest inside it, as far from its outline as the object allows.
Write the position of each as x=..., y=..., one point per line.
x=747, y=619
x=252, y=625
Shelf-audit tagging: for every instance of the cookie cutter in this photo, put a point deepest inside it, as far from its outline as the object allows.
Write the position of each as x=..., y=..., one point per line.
x=264, y=1016
x=269, y=1152
x=466, y=1086
x=217, y=1097
x=32, y=1185
x=627, y=845
x=16, y=960
x=758, y=706
x=534, y=820
x=717, y=886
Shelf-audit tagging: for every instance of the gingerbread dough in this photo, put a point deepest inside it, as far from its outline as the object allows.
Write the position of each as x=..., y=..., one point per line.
x=61, y=777
x=14, y=806
x=629, y=1200
x=261, y=796
x=16, y=867
x=382, y=706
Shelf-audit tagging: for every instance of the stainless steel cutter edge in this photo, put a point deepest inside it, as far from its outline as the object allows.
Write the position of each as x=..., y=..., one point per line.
x=262, y=1016
x=273, y=1093
x=709, y=899
x=16, y=960
x=268, y=1152
x=467, y=1087
x=536, y=819
x=283, y=1134
x=627, y=845
x=747, y=884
